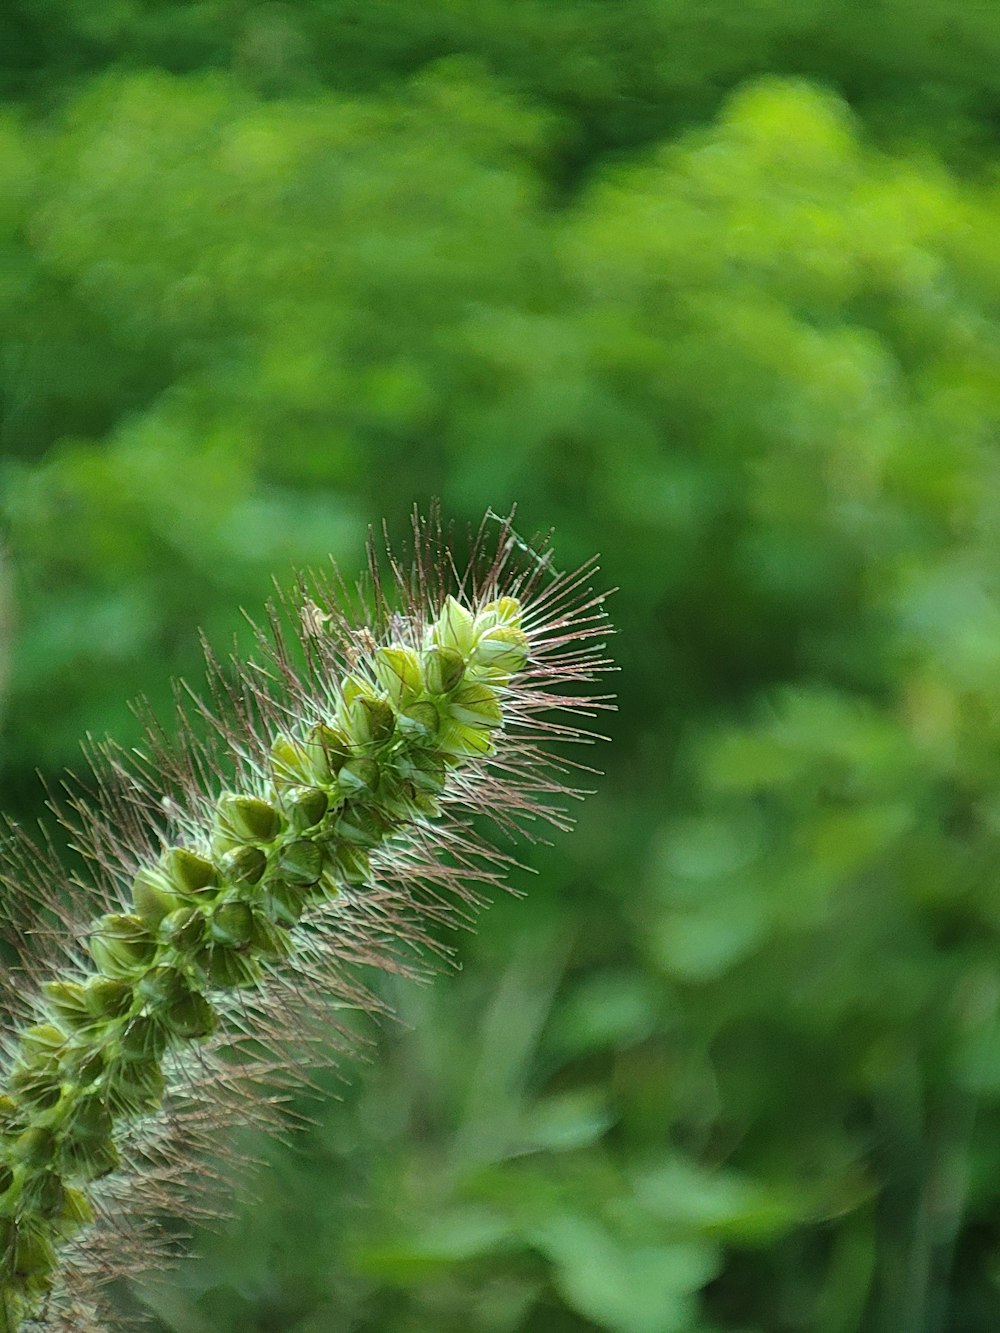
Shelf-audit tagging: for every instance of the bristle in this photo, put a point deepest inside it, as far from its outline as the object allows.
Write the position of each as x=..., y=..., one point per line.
x=496, y=657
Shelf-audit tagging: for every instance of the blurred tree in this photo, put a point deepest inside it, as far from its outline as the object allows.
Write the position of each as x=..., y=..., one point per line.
x=735, y=1064
x=6, y=628
x=620, y=74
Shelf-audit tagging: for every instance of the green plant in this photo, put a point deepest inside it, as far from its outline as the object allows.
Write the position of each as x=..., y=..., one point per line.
x=322, y=824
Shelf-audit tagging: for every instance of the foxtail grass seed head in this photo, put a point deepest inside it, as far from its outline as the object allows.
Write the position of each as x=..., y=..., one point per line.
x=310, y=821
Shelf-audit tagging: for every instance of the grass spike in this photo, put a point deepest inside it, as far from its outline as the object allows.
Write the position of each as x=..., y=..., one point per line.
x=317, y=816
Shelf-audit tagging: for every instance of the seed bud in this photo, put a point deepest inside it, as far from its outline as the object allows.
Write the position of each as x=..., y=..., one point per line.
x=74, y=1214
x=361, y=825
x=190, y=873
x=443, y=669
x=290, y=762
x=461, y=741
x=246, y=819
x=42, y=1042
x=329, y=749
x=429, y=773
x=305, y=806
x=38, y=1088
x=369, y=721
x=455, y=628
x=230, y=970
x=121, y=945
x=285, y=902
x=184, y=929
x=163, y=985
x=424, y=713
x=35, y=1147
x=89, y=1121
x=152, y=897
x=476, y=706
x=191, y=1017
x=301, y=862
x=91, y=1161
x=358, y=775
x=45, y=1192
x=68, y=1002
x=143, y=1038
x=34, y=1253
x=232, y=923
x=109, y=998
x=351, y=864
x=135, y=1085
x=398, y=672
x=269, y=939
x=503, y=650
x=243, y=865
x=504, y=611
x=85, y=1067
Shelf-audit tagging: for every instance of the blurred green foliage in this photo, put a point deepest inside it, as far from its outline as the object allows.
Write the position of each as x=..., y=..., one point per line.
x=714, y=289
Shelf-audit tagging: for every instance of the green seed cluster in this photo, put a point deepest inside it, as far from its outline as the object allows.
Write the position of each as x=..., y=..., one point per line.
x=209, y=916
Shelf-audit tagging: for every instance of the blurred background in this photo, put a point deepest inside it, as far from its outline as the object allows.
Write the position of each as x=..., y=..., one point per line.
x=713, y=289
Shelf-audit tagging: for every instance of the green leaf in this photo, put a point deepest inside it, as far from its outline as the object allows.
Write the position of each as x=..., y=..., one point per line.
x=628, y=1288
